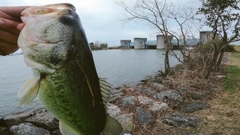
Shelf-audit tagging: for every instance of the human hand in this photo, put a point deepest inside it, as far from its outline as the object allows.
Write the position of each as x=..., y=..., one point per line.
x=10, y=27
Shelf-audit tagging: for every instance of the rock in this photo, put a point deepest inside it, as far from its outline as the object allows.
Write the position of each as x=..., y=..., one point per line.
x=17, y=118
x=181, y=120
x=158, y=106
x=171, y=95
x=4, y=131
x=194, y=106
x=28, y=129
x=144, y=118
x=113, y=110
x=145, y=90
x=198, y=95
x=128, y=101
x=181, y=132
x=145, y=100
x=44, y=119
x=158, y=86
x=126, y=121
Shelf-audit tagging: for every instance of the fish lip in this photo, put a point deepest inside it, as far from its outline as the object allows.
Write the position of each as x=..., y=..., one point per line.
x=62, y=6
x=50, y=8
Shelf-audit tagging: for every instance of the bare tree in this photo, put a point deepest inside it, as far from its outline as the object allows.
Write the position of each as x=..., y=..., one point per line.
x=224, y=18
x=158, y=14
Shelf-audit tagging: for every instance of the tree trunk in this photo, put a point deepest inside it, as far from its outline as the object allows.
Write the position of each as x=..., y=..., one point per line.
x=220, y=60
x=212, y=64
x=166, y=63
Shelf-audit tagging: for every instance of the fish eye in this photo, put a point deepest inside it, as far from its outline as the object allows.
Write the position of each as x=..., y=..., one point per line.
x=69, y=18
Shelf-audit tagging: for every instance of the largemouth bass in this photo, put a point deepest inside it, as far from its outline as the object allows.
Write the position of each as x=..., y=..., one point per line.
x=55, y=46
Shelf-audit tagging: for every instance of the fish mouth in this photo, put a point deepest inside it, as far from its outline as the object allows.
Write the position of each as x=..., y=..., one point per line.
x=61, y=6
x=51, y=9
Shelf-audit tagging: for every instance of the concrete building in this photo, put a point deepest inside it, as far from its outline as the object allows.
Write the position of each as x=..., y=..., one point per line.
x=125, y=44
x=206, y=36
x=161, y=43
x=140, y=43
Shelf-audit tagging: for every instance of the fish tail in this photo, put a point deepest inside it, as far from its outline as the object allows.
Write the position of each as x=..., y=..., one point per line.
x=112, y=127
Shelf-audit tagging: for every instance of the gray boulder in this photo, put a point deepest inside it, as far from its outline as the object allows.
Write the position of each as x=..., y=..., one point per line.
x=113, y=110
x=145, y=100
x=194, y=106
x=170, y=95
x=28, y=129
x=181, y=120
x=44, y=119
x=145, y=90
x=198, y=95
x=144, y=117
x=182, y=132
x=128, y=101
x=158, y=106
x=158, y=86
x=17, y=118
x=126, y=121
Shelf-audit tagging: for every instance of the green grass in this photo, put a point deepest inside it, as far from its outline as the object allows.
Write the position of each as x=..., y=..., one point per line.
x=236, y=54
x=232, y=80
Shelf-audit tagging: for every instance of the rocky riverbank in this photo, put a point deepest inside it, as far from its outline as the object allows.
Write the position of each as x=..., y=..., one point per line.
x=156, y=106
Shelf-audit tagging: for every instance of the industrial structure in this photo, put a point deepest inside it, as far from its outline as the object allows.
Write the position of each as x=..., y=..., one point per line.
x=160, y=43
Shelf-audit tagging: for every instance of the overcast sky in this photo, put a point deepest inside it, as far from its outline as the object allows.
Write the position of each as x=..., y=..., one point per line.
x=101, y=19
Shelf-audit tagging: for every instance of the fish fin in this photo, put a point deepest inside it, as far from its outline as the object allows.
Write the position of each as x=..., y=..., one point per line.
x=29, y=90
x=112, y=127
x=105, y=90
x=66, y=130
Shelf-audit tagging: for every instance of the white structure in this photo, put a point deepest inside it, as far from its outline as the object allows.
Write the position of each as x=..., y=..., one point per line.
x=206, y=36
x=125, y=44
x=161, y=43
x=140, y=43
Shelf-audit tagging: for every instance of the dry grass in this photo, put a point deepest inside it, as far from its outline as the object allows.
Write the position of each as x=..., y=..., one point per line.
x=223, y=116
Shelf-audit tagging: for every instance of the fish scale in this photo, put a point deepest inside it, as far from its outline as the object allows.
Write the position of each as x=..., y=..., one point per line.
x=70, y=98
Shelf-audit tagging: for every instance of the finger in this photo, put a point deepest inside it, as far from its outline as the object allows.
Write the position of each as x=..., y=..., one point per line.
x=12, y=13
x=7, y=48
x=20, y=26
x=10, y=26
x=8, y=37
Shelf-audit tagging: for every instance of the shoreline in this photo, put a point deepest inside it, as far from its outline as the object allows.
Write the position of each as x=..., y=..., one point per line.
x=154, y=105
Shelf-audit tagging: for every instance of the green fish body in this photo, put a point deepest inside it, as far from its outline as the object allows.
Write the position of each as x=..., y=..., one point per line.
x=55, y=46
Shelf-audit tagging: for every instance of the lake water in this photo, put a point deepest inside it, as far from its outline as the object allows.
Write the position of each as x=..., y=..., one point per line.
x=118, y=66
